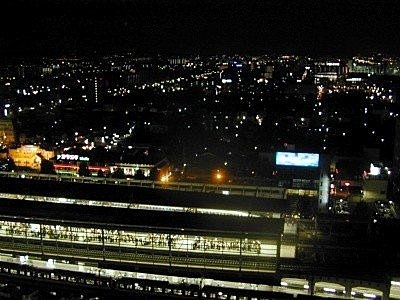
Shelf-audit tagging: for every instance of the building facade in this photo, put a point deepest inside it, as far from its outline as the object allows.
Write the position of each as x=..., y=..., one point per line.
x=29, y=156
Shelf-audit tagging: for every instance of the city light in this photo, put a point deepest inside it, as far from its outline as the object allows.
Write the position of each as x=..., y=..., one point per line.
x=367, y=295
x=164, y=178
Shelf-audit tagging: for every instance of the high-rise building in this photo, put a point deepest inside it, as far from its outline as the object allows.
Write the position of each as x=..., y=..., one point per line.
x=96, y=89
x=326, y=70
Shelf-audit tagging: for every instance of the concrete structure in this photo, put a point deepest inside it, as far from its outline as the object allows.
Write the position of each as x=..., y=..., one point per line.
x=107, y=231
x=111, y=232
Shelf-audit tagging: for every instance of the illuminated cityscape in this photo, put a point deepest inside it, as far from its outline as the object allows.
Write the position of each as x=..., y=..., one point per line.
x=211, y=149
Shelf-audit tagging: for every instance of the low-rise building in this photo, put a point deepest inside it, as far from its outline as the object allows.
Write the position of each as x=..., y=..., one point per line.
x=29, y=156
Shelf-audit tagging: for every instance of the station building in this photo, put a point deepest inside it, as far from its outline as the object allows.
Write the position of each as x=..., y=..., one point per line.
x=138, y=227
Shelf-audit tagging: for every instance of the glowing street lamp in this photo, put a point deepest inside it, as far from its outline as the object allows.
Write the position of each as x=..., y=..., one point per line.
x=165, y=178
x=219, y=176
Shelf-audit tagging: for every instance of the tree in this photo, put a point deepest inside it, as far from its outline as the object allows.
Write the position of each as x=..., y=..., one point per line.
x=84, y=169
x=100, y=173
x=7, y=164
x=47, y=167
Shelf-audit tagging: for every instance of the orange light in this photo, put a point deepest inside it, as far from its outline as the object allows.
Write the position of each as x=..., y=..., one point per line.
x=166, y=177
x=218, y=176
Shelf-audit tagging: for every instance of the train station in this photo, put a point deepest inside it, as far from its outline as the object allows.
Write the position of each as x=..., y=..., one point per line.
x=143, y=237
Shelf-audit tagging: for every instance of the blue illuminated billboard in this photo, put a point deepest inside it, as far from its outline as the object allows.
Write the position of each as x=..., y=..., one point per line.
x=297, y=159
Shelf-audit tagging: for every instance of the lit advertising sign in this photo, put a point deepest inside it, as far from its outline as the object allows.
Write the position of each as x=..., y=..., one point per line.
x=67, y=157
x=297, y=159
x=71, y=157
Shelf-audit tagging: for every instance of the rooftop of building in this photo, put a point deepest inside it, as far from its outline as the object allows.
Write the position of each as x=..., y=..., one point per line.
x=143, y=195
x=125, y=219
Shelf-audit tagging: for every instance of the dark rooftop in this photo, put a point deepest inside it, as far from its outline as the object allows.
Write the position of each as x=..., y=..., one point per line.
x=142, y=195
x=106, y=217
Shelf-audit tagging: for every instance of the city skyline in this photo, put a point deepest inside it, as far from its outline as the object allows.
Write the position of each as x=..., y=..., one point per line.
x=206, y=149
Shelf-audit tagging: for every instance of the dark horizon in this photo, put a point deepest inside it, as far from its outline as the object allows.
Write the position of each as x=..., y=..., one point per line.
x=206, y=27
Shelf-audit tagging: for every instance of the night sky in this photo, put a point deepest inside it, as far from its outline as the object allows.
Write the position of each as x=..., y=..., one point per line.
x=310, y=27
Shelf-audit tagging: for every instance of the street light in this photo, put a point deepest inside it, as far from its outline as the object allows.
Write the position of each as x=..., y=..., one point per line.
x=218, y=176
x=166, y=177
